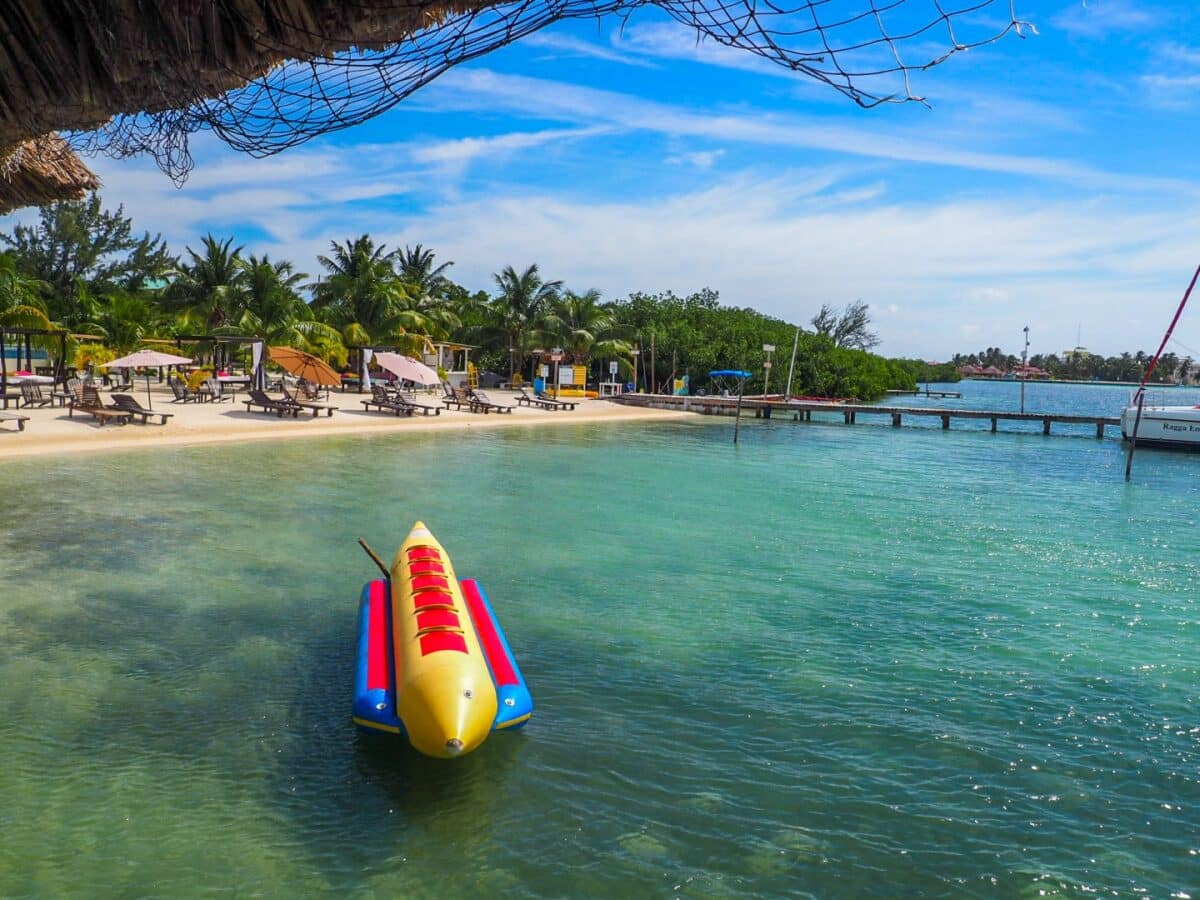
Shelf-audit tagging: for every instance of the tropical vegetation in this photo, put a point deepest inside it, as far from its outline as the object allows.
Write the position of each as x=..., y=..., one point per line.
x=84, y=269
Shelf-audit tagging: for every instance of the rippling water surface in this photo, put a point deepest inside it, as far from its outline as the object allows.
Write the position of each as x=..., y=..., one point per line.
x=832, y=661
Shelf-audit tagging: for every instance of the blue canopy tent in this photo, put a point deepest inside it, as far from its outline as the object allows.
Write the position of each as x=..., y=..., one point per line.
x=720, y=376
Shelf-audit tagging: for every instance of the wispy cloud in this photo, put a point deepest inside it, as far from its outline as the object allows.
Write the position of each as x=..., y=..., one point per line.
x=1093, y=19
x=570, y=46
x=464, y=150
x=544, y=99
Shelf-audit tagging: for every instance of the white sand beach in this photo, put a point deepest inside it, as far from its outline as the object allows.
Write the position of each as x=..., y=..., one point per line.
x=51, y=431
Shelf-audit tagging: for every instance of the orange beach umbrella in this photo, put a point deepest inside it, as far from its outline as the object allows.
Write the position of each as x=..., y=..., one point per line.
x=304, y=365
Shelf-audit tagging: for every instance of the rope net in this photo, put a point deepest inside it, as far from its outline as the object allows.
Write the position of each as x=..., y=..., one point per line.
x=864, y=49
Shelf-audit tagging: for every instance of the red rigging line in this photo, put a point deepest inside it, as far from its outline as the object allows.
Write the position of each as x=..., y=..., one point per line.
x=1170, y=329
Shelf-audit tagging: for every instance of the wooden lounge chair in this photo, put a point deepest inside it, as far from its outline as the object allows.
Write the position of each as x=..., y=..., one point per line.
x=380, y=399
x=309, y=404
x=14, y=417
x=183, y=394
x=118, y=380
x=91, y=404
x=561, y=404
x=127, y=402
x=527, y=399
x=488, y=405
x=311, y=392
x=271, y=404
x=212, y=391
x=69, y=392
x=31, y=395
x=425, y=409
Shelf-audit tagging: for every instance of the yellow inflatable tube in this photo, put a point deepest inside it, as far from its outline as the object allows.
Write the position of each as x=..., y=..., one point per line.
x=444, y=694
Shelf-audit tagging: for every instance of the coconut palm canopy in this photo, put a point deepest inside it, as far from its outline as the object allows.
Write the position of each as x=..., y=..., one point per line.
x=125, y=77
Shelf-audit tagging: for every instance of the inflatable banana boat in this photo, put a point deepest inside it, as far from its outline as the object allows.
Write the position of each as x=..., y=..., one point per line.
x=433, y=663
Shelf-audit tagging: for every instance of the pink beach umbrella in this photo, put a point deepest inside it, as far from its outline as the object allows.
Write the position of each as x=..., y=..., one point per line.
x=407, y=368
x=151, y=359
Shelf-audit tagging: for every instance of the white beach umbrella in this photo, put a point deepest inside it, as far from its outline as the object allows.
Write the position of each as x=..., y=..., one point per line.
x=152, y=359
x=407, y=368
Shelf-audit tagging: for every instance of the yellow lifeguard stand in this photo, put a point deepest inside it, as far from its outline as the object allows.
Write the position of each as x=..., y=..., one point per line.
x=472, y=376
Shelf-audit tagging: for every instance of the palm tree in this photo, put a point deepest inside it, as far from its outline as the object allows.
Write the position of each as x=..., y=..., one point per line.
x=210, y=289
x=584, y=328
x=518, y=309
x=415, y=266
x=276, y=312
x=124, y=320
x=364, y=299
x=1185, y=369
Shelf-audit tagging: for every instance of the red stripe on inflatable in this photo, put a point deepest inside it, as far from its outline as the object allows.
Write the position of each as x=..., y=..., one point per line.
x=426, y=567
x=432, y=598
x=442, y=640
x=493, y=647
x=377, y=669
x=434, y=618
x=423, y=553
x=429, y=582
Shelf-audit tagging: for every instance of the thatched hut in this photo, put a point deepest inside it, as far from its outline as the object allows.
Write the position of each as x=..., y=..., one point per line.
x=125, y=77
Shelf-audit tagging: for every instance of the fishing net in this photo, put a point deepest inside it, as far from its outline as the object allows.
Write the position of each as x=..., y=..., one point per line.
x=865, y=49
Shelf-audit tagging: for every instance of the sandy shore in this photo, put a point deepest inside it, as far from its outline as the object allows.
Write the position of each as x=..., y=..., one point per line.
x=50, y=431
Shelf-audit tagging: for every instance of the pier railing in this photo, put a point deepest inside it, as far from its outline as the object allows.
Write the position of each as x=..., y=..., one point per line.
x=802, y=410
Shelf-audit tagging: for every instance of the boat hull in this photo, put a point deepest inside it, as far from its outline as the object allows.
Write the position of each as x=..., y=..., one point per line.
x=1168, y=426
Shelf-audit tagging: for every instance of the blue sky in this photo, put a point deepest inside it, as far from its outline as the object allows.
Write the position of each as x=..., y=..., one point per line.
x=1053, y=181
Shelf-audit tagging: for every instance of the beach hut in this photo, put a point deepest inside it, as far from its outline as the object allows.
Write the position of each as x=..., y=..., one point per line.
x=452, y=359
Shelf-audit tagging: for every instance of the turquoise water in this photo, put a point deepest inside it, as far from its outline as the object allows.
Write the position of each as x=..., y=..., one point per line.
x=831, y=661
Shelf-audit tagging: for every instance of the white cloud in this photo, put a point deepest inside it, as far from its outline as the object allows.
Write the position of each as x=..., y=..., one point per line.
x=1094, y=19
x=701, y=159
x=569, y=46
x=481, y=89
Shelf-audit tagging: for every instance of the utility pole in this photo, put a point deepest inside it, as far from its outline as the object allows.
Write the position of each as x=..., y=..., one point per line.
x=792, y=365
x=653, y=378
x=1024, y=367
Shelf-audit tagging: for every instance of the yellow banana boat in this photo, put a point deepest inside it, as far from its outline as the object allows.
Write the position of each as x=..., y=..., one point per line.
x=445, y=696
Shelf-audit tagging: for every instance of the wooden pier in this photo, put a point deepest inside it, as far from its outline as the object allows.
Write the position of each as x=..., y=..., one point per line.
x=802, y=410
x=925, y=393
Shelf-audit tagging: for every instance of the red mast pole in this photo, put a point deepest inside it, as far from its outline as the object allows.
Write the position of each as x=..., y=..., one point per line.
x=1170, y=329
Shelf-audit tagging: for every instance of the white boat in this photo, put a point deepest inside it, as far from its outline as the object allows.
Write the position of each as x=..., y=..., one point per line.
x=1167, y=426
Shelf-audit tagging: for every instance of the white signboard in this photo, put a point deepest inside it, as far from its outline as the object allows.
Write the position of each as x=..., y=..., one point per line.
x=545, y=371
x=566, y=375
x=768, y=348
x=612, y=367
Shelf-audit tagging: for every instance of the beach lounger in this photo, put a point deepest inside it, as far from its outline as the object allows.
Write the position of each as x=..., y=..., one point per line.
x=14, y=417
x=91, y=404
x=183, y=394
x=118, y=380
x=397, y=397
x=212, y=391
x=69, y=392
x=271, y=404
x=562, y=404
x=309, y=404
x=527, y=399
x=127, y=402
x=31, y=395
x=480, y=399
x=380, y=399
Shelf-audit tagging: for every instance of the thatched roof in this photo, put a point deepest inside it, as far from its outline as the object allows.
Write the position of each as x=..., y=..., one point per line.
x=40, y=171
x=75, y=64
x=138, y=76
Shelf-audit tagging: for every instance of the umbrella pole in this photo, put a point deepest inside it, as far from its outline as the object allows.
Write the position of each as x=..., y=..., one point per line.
x=149, y=402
